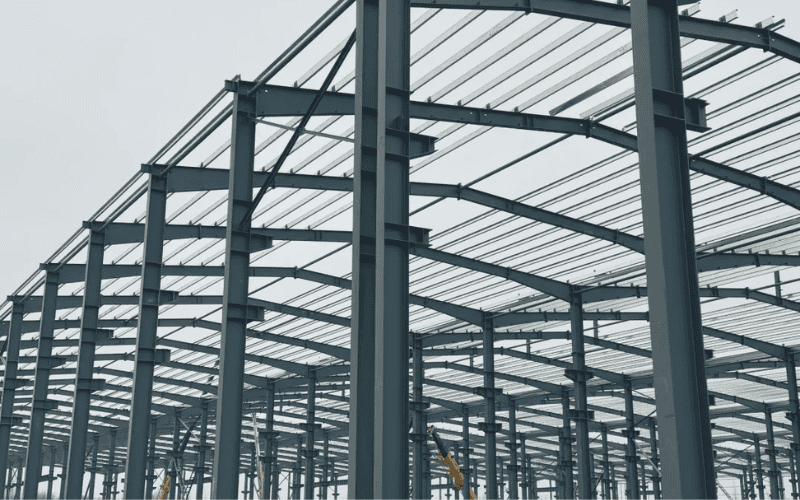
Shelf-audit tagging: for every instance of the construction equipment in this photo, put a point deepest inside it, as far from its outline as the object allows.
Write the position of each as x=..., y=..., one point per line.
x=258, y=459
x=446, y=459
x=164, y=491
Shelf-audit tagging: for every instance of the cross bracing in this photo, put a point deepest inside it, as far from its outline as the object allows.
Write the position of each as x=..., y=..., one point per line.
x=510, y=240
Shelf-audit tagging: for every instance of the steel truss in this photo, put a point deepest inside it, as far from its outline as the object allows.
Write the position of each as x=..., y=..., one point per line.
x=212, y=309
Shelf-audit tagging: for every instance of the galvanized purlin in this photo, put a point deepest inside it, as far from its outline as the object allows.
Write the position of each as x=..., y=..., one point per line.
x=225, y=477
x=10, y=382
x=392, y=240
x=44, y=363
x=83, y=374
x=144, y=362
x=363, y=327
x=675, y=318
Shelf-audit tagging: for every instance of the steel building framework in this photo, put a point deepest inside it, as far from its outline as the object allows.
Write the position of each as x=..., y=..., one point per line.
x=563, y=321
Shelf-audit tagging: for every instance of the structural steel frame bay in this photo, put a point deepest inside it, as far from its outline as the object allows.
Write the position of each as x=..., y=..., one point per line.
x=523, y=233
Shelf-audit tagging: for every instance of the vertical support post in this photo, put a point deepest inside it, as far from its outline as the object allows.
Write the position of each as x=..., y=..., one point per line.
x=95, y=447
x=309, y=451
x=420, y=435
x=9, y=480
x=10, y=382
x=465, y=438
x=51, y=475
x=750, y=473
x=525, y=485
x=794, y=413
x=173, y=465
x=144, y=363
x=362, y=328
x=566, y=462
x=325, y=469
x=793, y=476
x=774, y=484
x=89, y=336
x=151, y=460
x=675, y=318
x=644, y=480
x=234, y=299
x=513, y=466
x=632, y=480
x=502, y=485
x=579, y=376
x=532, y=481
x=112, y=476
x=276, y=473
x=298, y=469
x=614, y=487
x=269, y=435
x=475, y=470
x=63, y=488
x=252, y=474
x=606, y=465
x=489, y=427
x=201, y=451
x=391, y=256
x=656, y=476
x=456, y=455
x=20, y=472
x=759, y=468
x=44, y=363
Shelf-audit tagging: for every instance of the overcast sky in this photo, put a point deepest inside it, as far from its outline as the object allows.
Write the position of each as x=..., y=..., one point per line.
x=91, y=89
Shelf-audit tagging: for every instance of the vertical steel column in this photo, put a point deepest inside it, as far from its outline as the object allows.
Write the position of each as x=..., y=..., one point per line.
x=581, y=415
x=362, y=327
x=112, y=478
x=309, y=451
x=644, y=480
x=298, y=469
x=656, y=476
x=489, y=427
x=675, y=317
x=252, y=474
x=774, y=485
x=44, y=363
x=201, y=451
x=475, y=470
x=225, y=475
x=325, y=469
x=533, y=490
x=270, y=436
x=151, y=459
x=465, y=439
x=20, y=472
x=173, y=464
x=614, y=486
x=95, y=447
x=420, y=435
x=793, y=476
x=144, y=363
x=524, y=476
x=502, y=483
x=276, y=472
x=392, y=237
x=90, y=335
x=51, y=475
x=759, y=468
x=566, y=462
x=513, y=466
x=9, y=479
x=63, y=476
x=794, y=413
x=606, y=465
x=631, y=479
x=10, y=382
x=750, y=473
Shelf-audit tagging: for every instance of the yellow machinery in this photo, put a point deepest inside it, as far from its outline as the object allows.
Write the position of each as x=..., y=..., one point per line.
x=446, y=458
x=164, y=491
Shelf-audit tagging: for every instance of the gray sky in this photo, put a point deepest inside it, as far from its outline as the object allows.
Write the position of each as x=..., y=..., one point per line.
x=93, y=89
